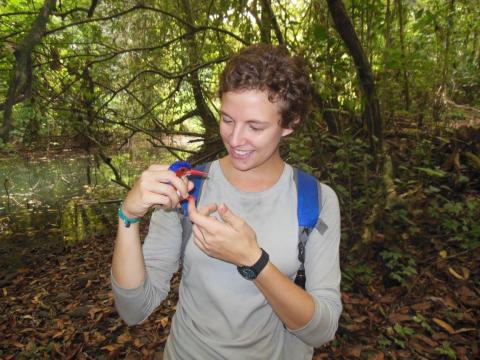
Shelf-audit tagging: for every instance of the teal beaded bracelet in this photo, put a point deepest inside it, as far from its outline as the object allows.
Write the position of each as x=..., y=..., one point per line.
x=126, y=220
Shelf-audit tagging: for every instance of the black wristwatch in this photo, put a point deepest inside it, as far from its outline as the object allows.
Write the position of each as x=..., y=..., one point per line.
x=251, y=272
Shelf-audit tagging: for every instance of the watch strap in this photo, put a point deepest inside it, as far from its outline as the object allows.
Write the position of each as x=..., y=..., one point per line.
x=251, y=272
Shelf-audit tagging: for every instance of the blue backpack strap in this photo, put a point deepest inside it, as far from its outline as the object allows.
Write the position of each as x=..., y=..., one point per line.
x=308, y=212
x=308, y=207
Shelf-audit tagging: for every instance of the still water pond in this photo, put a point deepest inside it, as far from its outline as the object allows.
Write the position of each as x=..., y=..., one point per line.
x=51, y=201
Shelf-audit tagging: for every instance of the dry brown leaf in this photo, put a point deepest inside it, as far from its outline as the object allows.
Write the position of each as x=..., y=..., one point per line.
x=93, y=311
x=378, y=356
x=360, y=319
x=462, y=330
x=109, y=348
x=426, y=340
x=125, y=337
x=399, y=317
x=353, y=352
x=58, y=334
x=98, y=337
x=137, y=343
x=450, y=302
x=353, y=327
x=422, y=306
x=455, y=274
x=444, y=325
x=420, y=348
x=28, y=330
x=164, y=321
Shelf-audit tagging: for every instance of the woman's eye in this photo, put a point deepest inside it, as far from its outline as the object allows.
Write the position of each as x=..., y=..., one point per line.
x=255, y=128
x=226, y=121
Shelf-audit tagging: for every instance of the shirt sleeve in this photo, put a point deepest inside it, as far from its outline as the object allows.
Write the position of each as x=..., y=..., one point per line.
x=161, y=252
x=322, y=270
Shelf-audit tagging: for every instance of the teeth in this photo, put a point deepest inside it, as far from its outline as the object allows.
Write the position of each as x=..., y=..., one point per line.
x=240, y=152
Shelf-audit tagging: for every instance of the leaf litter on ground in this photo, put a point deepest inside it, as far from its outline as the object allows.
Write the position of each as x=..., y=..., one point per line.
x=62, y=307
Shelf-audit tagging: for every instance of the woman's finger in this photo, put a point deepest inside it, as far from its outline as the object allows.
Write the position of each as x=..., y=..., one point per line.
x=161, y=189
x=199, y=238
x=160, y=200
x=167, y=177
x=207, y=209
x=205, y=222
x=158, y=167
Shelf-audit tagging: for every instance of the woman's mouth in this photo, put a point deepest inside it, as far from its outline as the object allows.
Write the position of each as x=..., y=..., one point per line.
x=240, y=154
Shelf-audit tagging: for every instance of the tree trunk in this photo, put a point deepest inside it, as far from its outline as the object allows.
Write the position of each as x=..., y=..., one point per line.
x=372, y=114
x=406, y=91
x=326, y=106
x=263, y=20
x=208, y=119
x=441, y=91
x=446, y=55
x=267, y=11
x=387, y=89
x=21, y=81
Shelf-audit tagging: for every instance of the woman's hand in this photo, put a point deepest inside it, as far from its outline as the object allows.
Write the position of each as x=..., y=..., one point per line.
x=233, y=240
x=156, y=186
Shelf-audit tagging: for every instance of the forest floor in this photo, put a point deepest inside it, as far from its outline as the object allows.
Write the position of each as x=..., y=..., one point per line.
x=412, y=293
x=61, y=306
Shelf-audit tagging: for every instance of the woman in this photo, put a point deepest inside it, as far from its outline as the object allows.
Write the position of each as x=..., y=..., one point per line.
x=246, y=218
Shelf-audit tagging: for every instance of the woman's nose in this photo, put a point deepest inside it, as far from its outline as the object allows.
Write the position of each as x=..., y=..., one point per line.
x=236, y=137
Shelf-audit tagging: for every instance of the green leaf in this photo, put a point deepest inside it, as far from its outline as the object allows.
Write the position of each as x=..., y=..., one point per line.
x=445, y=349
x=320, y=32
x=432, y=172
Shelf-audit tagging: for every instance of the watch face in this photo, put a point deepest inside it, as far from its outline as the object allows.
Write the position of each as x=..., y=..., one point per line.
x=247, y=273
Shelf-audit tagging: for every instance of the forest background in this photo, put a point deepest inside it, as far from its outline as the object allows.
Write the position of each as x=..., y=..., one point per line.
x=395, y=130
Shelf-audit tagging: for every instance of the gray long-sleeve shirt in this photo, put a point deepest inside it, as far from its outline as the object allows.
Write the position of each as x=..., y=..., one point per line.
x=219, y=314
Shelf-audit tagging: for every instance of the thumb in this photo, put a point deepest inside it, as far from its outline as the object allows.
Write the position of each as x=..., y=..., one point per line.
x=228, y=216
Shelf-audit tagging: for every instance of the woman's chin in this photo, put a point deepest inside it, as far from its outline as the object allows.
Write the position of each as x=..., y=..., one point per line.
x=241, y=163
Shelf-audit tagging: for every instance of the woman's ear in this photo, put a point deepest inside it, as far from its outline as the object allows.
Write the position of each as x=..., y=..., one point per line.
x=292, y=126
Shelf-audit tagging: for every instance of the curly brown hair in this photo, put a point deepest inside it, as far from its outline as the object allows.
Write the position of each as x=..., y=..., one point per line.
x=271, y=68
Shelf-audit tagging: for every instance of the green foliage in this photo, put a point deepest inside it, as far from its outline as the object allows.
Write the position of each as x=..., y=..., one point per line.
x=356, y=274
x=401, y=265
x=445, y=349
x=383, y=343
x=433, y=172
x=458, y=220
x=420, y=319
x=403, y=333
x=320, y=32
x=138, y=63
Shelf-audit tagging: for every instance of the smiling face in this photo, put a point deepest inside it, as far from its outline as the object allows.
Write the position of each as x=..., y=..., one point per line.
x=250, y=130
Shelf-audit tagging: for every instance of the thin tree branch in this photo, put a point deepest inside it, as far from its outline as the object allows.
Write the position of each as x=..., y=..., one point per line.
x=113, y=16
x=144, y=7
x=19, y=13
x=165, y=74
x=186, y=116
